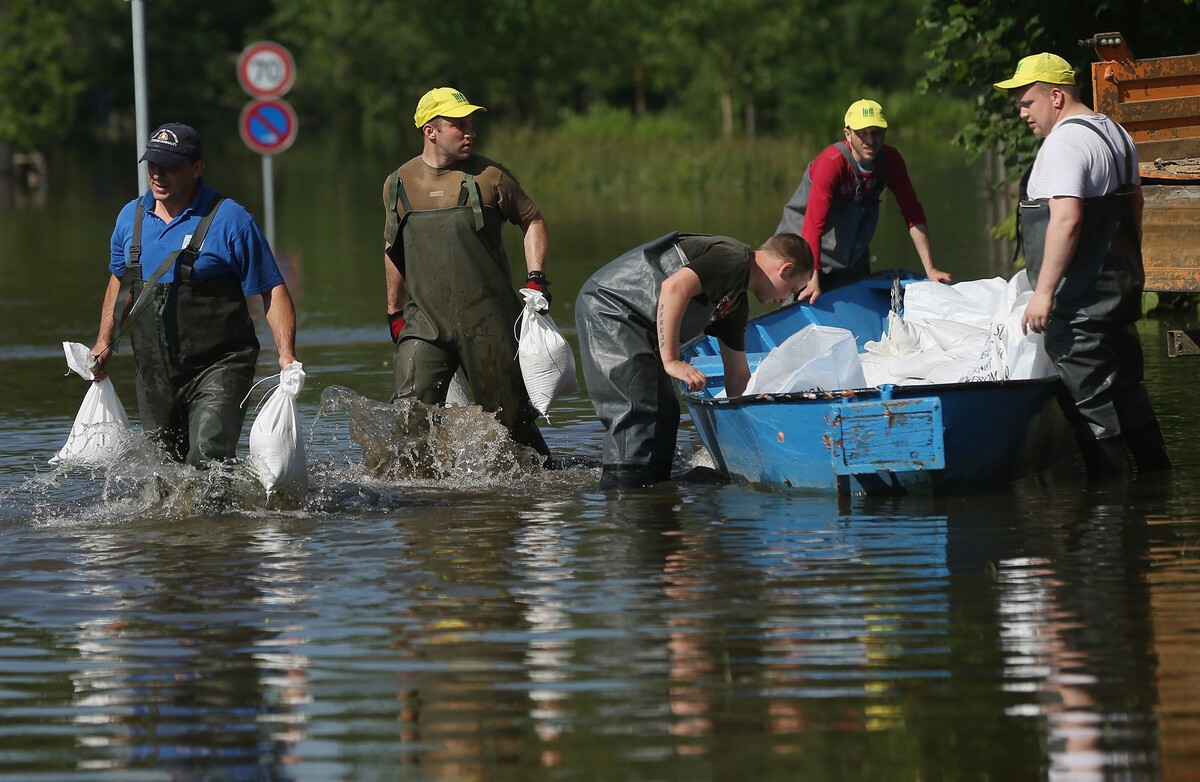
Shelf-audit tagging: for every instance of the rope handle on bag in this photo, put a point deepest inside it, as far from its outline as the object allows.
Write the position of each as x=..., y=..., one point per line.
x=264, y=396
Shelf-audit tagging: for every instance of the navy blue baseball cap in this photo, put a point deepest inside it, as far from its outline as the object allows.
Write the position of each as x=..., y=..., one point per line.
x=172, y=144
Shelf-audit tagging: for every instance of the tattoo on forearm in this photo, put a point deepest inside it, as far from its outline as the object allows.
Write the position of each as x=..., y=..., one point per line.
x=662, y=330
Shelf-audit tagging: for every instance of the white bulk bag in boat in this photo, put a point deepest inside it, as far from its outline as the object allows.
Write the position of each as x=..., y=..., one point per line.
x=816, y=358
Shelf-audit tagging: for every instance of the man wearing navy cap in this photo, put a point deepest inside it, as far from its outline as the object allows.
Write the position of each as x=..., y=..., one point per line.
x=183, y=262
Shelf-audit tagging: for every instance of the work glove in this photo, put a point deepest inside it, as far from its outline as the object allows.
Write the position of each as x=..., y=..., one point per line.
x=538, y=281
x=396, y=324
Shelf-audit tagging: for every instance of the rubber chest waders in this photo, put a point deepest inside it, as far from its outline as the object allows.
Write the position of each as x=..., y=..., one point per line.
x=459, y=310
x=634, y=397
x=195, y=349
x=845, y=245
x=1090, y=336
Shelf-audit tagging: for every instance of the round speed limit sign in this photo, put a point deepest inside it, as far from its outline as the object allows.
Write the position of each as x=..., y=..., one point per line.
x=266, y=69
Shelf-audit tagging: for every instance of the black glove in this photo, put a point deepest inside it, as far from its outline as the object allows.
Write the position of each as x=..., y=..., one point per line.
x=539, y=282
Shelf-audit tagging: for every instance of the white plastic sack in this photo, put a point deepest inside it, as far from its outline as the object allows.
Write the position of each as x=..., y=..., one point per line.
x=816, y=358
x=100, y=433
x=456, y=392
x=547, y=363
x=971, y=303
x=1008, y=354
x=964, y=333
x=1027, y=357
x=276, y=447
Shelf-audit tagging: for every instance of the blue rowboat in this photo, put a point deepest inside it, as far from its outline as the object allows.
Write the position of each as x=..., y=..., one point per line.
x=891, y=439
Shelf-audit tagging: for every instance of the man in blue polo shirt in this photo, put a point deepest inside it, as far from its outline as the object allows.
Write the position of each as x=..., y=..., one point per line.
x=183, y=262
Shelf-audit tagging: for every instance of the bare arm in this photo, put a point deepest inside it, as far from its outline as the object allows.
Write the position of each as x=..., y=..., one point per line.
x=537, y=243
x=102, y=350
x=395, y=285
x=673, y=299
x=919, y=234
x=1062, y=237
x=737, y=370
x=281, y=317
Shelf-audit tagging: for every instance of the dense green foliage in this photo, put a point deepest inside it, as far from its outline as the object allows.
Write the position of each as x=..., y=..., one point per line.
x=672, y=75
x=695, y=68
x=719, y=67
x=979, y=43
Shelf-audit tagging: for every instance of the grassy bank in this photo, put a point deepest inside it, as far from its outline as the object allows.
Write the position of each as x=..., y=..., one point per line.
x=638, y=169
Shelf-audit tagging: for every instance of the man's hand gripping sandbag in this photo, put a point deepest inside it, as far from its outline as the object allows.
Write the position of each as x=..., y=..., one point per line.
x=276, y=447
x=547, y=363
x=100, y=433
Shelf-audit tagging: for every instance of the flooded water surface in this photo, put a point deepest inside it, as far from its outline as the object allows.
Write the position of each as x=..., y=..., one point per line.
x=441, y=607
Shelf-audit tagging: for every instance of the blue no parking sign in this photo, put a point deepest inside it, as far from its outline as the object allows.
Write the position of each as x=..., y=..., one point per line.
x=268, y=126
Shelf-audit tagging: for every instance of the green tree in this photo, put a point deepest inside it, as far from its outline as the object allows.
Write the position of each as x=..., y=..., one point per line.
x=40, y=73
x=977, y=44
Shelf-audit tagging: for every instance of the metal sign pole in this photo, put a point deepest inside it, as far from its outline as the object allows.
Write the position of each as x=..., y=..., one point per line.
x=139, y=86
x=269, y=199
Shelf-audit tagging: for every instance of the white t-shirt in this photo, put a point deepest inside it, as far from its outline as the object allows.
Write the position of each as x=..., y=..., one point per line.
x=1074, y=161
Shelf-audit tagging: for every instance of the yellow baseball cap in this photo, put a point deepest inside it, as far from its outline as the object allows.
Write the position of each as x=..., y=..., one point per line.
x=865, y=114
x=1045, y=67
x=443, y=102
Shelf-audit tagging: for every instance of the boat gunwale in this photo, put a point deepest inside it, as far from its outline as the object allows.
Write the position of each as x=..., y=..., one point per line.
x=898, y=391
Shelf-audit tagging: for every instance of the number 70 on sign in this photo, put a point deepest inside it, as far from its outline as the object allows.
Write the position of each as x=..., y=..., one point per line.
x=266, y=69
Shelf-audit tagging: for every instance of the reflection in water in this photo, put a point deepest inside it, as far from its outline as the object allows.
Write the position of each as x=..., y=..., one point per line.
x=175, y=667
x=437, y=609
x=1075, y=633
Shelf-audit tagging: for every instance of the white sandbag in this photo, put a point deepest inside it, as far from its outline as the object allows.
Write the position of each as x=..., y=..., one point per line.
x=100, y=433
x=816, y=358
x=547, y=363
x=276, y=447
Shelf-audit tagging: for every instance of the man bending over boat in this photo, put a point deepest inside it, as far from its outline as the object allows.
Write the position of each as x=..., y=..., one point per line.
x=836, y=206
x=633, y=315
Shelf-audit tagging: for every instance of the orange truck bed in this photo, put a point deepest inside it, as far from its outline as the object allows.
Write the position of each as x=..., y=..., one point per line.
x=1157, y=100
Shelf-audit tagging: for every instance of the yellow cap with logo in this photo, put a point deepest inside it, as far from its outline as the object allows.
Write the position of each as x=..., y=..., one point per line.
x=865, y=114
x=1044, y=67
x=443, y=102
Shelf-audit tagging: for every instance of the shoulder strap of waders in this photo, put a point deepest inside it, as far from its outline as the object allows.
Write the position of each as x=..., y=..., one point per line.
x=396, y=197
x=1128, y=178
x=470, y=195
x=133, y=270
x=186, y=257
x=1022, y=195
x=859, y=181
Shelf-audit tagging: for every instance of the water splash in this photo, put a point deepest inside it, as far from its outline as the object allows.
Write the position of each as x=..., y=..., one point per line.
x=365, y=457
x=411, y=442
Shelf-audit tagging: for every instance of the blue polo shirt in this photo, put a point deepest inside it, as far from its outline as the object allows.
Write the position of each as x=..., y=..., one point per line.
x=233, y=245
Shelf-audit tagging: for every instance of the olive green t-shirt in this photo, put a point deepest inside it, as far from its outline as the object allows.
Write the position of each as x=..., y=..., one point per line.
x=440, y=188
x=723, y=266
